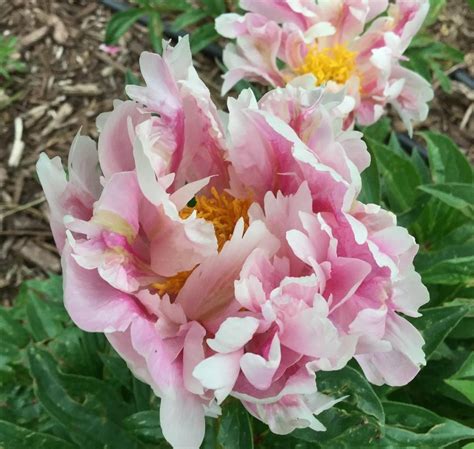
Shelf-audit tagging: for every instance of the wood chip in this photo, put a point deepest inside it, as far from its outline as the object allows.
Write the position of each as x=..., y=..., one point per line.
x=18, y=144
x=82, y=90
x=40, y=257
x=33, y=37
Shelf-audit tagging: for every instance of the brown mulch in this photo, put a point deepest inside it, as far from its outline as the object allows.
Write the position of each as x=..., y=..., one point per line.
x=69, y=81
x=453, y=113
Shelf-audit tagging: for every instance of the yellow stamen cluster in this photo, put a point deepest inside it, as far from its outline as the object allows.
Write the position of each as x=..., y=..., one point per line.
x=223, y=211
x=172, y=285
x=330, y=64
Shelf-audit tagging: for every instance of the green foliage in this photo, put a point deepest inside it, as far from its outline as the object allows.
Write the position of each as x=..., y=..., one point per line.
x=430, y=57
x=9, y=62
x=194, y=17
x=62, y=388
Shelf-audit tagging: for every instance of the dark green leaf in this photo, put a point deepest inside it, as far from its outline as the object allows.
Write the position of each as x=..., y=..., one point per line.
x=448, y=266
x=215, y=7
x=145, y=426
x=370, y=192
x=120, y=23
x=436, y=324
x=11, y=330
x=395, y=168
x=235, y=430
x=88, y=427
x=202, y=37
x=456, y=195
x=345, y=430
x=379, y=131
x=410, y=426
x=16, y=437
x=348, y=381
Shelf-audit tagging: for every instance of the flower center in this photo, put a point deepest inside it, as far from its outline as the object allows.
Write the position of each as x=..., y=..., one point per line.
x=330, y=64
x=220, y=209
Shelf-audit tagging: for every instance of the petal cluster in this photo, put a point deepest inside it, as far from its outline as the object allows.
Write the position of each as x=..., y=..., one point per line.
x=356, y=45
x=226, y=254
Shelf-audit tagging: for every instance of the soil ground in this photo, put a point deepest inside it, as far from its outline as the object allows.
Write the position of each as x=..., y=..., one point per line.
x=69, y=81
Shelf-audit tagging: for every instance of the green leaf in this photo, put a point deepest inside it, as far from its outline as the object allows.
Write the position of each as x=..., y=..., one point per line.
x=456, y=195
x=145, y=426
x=370, y=192
x=45, y=312
x=394, y=168
x=215, y=7
x=443, y=79
x=87, y=426
x=202, y=37
x=436, y=7
x=379, y=131
x=131, y=78
x=448, y=266
x=235, y=431
x=348, y=381
x=463, y=379
x=436, y=324
x=412, y=426
x=120, y=23
x=345, y=430
x=188, y=18
x=16, y=437
x=155, y=31
x=447, y=163
x=11, y=330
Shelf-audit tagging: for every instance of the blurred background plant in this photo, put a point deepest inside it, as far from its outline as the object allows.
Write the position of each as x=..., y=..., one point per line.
x=428, y=56
x=170, y=17
x=10, y=63
x=9, y=57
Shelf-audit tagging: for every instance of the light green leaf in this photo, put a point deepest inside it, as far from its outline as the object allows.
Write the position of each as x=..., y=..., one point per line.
x=447, y=163
x=456, y=195
x=188, y=18
x=16, y=437
x=235, y=430
x=120, y=23
x=463, y=379
x=155, y=31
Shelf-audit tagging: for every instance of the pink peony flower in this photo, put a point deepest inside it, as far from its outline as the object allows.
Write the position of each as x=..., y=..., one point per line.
x=342, y=44
x=226, y=254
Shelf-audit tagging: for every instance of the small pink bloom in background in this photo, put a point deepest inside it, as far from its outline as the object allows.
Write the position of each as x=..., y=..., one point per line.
x=226, y=254
x=344, y=44
x=110, y=49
